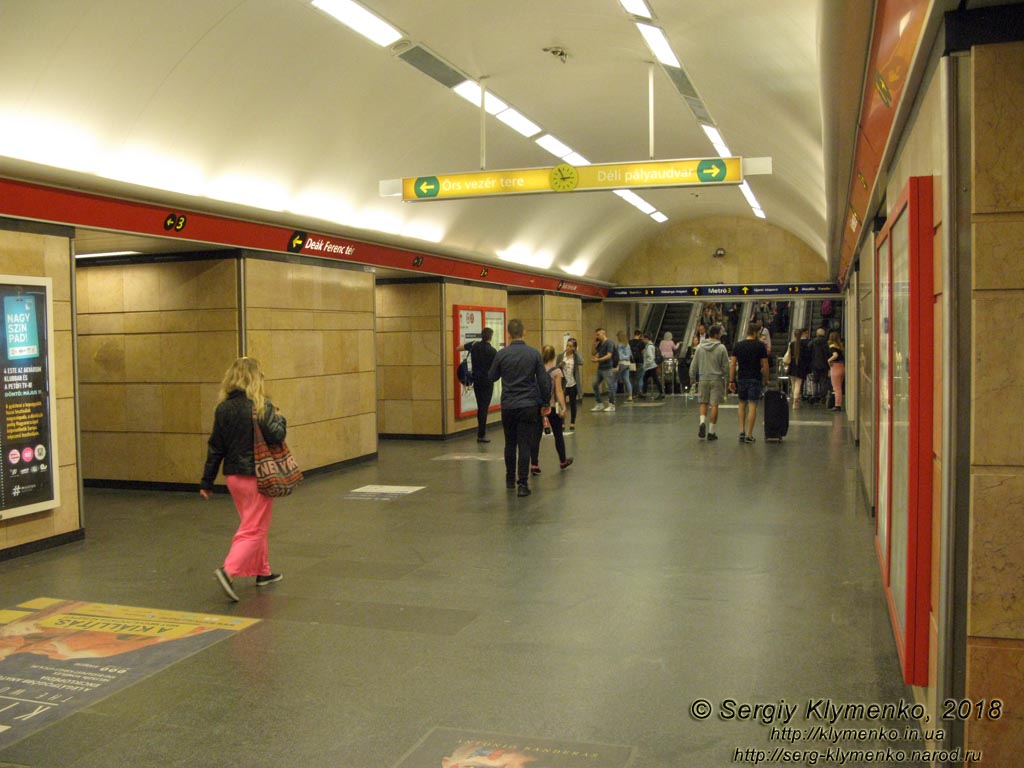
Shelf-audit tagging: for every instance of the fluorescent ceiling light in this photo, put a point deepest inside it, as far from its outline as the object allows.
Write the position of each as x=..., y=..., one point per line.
x=747, y=193
x=636, y=7
x=520, y=254
x=107, y=253
x=553, y=145
x=518, y=122
x=759, y=213
x=716, y=140
x=635, y=200
x=154, y=168
x=659, y=217
x=470, y=91
x=248, y=190
x=578, y=268
x=658, y=43
x=575, y=158
x=360, y=20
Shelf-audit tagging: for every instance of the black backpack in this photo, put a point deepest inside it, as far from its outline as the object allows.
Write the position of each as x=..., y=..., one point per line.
x=464, y=374
x=615, y=356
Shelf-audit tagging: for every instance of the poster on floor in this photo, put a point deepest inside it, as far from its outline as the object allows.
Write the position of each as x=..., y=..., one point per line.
x=59, y=656
x=28, y=443
x=449, y=747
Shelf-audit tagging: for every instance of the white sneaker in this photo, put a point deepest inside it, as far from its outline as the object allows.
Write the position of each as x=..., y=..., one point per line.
x=611, y=407
x=598, y=407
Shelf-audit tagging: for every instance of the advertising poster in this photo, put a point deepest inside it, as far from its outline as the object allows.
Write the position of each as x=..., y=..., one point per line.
x=58, y=656
x=469, y=325
x=29, y=481
x=451, y=748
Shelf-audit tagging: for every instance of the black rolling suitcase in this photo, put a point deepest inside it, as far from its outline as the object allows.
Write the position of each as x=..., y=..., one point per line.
x=776, y=415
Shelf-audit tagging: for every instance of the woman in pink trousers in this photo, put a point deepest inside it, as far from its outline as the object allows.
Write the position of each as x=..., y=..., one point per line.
x=231, y=442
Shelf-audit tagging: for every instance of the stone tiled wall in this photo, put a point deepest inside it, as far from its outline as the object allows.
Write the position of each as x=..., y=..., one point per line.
x=561, y=315
x=410, y=398
x=995, y=663
x=756, y=251
x=48, y=256
x=154, y=341
x=311, y=328
x=530, y=309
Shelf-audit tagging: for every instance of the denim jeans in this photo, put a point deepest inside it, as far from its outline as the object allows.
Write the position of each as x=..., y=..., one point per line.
x=607, y=375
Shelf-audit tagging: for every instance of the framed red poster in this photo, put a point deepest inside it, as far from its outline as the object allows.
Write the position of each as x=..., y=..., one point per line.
x=469, y=325
x=905, y=296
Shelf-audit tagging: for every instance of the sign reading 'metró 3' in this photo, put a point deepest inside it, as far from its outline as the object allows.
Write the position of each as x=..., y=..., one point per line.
x=28, y=456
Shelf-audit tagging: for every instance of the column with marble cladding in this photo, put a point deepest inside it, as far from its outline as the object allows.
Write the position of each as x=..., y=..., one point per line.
x=561, y=315
x=311, y=328
x=456, y=294
x=35, y=255
x=529, y=308
x=153, y=343
x=409, y=362
x=995, y=644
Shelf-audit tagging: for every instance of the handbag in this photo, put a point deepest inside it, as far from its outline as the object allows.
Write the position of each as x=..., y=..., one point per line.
x=277, y=474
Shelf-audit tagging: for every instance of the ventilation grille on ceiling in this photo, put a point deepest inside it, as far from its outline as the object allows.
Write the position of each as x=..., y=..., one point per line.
x=432, y=66
x=689, y=93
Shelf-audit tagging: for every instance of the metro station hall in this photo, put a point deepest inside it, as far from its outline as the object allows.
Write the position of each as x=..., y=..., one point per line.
x=477, y=384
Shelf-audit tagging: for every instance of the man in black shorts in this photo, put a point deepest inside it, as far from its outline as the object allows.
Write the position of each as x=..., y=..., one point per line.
x=748, y=376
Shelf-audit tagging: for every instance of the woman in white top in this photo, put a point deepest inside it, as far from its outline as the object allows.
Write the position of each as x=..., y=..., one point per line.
x=571, y=363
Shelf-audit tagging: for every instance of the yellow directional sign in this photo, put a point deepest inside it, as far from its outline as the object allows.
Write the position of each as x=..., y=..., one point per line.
x=567, y=178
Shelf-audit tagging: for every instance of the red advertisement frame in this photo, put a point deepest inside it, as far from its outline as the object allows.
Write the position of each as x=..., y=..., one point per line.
x=460, y=412
x=915, y=202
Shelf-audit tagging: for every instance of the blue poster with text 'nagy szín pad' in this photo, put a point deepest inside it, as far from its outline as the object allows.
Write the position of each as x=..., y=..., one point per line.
x=21, y=326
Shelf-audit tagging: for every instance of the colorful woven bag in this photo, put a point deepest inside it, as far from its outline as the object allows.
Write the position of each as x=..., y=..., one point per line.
x=277, y=474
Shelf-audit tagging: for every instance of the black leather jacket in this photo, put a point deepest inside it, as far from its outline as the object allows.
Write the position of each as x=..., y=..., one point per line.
x=232, y=438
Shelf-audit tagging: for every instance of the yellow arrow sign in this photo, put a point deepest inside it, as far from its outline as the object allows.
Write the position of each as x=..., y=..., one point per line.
x=525, y=181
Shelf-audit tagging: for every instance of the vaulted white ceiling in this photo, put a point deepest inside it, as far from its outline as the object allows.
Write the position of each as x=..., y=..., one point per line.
x=272, y=110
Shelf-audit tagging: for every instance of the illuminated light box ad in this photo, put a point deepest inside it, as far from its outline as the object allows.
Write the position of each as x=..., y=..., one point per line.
x=28, y=442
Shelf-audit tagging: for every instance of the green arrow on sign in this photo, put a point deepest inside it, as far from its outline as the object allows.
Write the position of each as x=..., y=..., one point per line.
x=427, y=186
x=711, y=170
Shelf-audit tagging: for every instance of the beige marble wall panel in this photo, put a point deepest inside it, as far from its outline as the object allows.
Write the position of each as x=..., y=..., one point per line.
x=529, y=309
x=140, y=287
x=997, y=434
x=998, y=94
x=995, y=670
x=67, y=439
x=409, y=348
x=104, y=407
x=996, y=575
x=66, y=516
x=756, y=251
x=28, y=528
x=997, y=245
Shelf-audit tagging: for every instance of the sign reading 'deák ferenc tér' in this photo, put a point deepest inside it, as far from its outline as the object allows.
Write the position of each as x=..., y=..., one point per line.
x=29, y=481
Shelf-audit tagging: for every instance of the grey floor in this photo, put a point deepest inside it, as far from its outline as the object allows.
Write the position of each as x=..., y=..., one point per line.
x=657, y=571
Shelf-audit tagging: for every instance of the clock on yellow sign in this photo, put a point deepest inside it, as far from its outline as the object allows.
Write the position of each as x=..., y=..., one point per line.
x=564, y=178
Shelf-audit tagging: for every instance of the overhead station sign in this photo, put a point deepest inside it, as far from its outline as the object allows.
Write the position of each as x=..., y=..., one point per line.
x=569, y=178
x=748, y=290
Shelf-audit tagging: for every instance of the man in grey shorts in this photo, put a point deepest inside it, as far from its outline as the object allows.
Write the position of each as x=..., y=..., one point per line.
x=710, y=365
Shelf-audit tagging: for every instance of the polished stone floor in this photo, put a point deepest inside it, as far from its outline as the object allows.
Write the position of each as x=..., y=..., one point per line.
x=657, y=571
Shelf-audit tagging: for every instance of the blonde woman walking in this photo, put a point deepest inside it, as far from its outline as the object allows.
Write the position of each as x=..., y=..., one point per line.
x=241, y=396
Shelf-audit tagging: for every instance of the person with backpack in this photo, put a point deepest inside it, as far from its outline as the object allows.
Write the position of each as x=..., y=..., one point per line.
x=624, y=370
x=605, y=356
x=651, y=366
x=481, y=355
x=636, y=348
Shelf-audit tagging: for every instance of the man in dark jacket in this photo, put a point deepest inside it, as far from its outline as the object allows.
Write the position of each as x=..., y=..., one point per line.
x=819, y=361
x=636, y=348
x=525, y=394
x=481, y=355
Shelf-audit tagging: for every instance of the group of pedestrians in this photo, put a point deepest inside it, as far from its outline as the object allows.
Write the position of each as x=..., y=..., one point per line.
x=820, y=360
